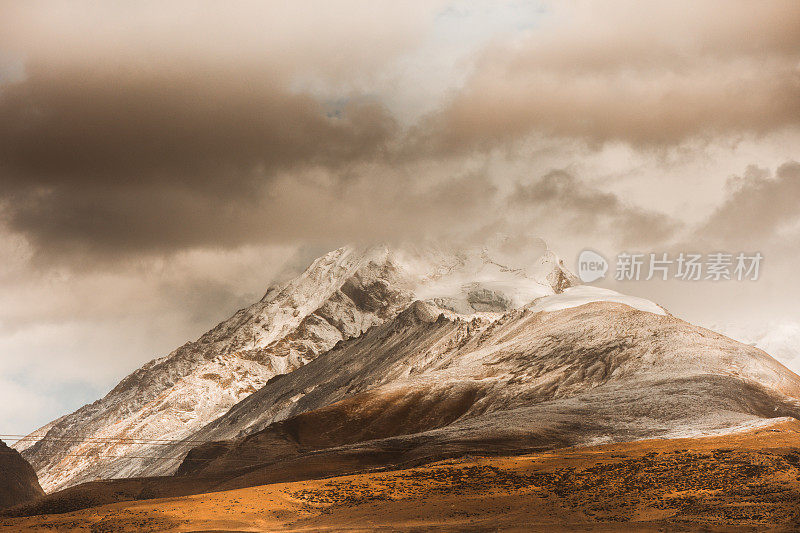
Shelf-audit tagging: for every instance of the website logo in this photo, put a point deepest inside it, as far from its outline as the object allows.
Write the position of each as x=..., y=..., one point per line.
x=591, y=266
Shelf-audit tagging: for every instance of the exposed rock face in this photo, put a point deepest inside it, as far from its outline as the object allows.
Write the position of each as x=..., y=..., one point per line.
x=18, y=483
x=340, y=296
x=488, y=300
x=556, y=273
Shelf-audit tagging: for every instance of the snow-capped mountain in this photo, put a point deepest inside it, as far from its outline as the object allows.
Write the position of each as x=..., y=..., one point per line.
x=339, y=296
x=586, y=366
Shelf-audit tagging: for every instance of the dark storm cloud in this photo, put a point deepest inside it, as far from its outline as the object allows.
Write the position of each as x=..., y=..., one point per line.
x=586, y=210
x=191, y=127
x=758, y=207
x=167, y=155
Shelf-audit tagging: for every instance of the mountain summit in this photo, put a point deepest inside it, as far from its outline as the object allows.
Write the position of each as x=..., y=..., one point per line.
x=338, y=297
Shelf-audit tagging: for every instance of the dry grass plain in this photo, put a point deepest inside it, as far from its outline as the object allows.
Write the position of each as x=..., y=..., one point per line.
x=741, y=482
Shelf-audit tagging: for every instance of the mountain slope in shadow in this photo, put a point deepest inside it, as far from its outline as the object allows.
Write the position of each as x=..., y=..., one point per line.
x=18, y=482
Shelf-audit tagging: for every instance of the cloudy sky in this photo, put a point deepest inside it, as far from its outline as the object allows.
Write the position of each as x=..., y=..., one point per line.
x=161, y=162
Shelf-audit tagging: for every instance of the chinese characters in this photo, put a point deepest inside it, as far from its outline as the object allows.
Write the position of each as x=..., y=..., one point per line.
x=718, y=266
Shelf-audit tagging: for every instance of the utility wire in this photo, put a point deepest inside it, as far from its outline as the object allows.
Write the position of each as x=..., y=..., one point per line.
x=121, y=441
x=130, y=440
x=154, y=458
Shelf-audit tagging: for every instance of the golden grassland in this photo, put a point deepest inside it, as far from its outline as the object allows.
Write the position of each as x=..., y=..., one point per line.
x=745, y=481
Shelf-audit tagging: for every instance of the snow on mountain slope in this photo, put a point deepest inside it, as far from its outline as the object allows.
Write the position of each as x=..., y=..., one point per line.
x=424, y=386
x=469, y=283
x=340, y=295
x=584, y=294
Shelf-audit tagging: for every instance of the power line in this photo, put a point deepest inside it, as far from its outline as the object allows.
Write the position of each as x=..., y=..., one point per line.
x=103, y=440
x=121, y=441
x=103, y=456
x=130, y=440
x=151, y=457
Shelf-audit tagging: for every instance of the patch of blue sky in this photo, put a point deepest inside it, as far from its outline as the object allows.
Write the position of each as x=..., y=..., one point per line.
x=415, y=83
x=46, y=401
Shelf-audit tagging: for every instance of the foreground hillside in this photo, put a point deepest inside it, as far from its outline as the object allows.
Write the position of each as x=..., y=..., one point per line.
x=18, y=483
x=747, y=481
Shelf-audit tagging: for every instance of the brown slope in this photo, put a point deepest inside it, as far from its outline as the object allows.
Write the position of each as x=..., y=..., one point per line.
x=364, y=417
x=18, y=483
